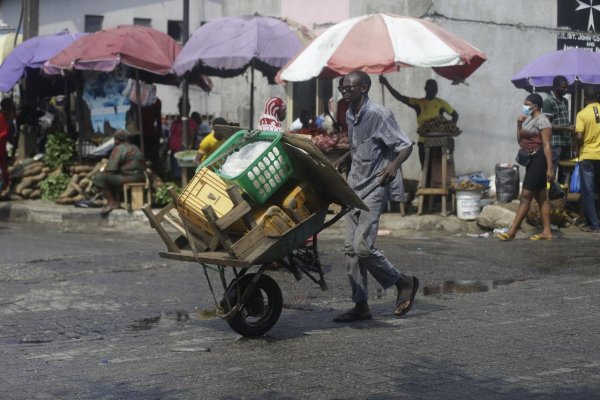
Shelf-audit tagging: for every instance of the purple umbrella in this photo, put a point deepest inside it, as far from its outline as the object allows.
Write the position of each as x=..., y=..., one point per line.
x=32, y=53
x=577, y=65
x=227, y=46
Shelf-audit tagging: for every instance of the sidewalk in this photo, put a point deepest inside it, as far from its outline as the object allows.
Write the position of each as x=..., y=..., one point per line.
x=81, y=219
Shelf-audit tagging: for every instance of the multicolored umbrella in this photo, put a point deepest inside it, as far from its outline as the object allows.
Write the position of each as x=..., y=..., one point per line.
x=381, y=43
x=139, y=47
x=32, y=53
x=577, y=65
x=142, y=48
x=226, y=47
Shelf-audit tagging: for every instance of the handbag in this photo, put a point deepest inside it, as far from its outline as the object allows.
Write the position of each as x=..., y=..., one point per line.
x=555, y=191
x=524, y=157
x=574, y=185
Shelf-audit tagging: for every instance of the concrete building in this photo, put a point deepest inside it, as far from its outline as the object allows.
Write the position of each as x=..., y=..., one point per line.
x=510, y=32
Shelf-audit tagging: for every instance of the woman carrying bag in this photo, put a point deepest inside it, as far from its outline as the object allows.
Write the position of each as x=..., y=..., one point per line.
x=534, y=131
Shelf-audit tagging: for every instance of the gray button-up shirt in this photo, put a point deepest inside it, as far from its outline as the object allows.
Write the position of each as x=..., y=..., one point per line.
x=375, y=140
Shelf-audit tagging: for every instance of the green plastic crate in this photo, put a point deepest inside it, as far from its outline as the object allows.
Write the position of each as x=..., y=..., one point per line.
x=265, y=175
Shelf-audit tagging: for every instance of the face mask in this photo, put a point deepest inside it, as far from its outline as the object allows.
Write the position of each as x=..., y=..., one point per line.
x=527, y=110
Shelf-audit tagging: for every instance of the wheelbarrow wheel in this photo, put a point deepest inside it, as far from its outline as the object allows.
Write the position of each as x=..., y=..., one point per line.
x=261, y=311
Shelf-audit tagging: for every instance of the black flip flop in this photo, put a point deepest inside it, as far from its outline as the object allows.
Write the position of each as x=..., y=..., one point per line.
x=401, y=300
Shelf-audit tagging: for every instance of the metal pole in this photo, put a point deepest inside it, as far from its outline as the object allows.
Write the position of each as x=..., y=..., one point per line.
x=80, y=114
x=185, y=32
x=138, y=94
x=252, y=94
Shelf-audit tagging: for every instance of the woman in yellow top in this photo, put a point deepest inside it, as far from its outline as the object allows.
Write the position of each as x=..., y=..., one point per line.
x=210, y=143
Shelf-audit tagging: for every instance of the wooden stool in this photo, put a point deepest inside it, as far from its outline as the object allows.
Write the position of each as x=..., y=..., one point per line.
x=423, y=190
x=136, y=195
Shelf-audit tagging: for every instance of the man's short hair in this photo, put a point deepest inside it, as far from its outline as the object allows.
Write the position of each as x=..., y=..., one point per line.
x=122, y=135
x=558, y=80
x=590, y=92
x=6, y=104
x=219, y=121
x=363, y=78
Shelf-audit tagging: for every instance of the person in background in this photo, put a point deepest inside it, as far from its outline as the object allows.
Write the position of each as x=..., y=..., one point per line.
x=587, y=131
x=378, y=149
x=341, y=108
x=203, y=128
x=7, y=113
x=302, y=122
x=210, y=143
x=533, y=134
x=126, y=164
x=151, y=129
x=426, y=108
x=556, y=108
x=176, y=137
x=326, y=121
x=272, y=116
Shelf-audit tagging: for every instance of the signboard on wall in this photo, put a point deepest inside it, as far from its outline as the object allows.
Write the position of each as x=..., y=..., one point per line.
x=576, y=21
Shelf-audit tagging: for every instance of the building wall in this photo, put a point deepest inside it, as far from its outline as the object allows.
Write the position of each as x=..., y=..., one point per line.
x=510, y=32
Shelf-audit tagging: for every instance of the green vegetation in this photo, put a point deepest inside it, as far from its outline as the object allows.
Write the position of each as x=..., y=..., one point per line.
x=53, y=186
x=60, y=151
x=163, y=196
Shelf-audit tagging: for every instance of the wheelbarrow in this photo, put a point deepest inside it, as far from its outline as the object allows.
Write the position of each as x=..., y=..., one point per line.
x=252, y=301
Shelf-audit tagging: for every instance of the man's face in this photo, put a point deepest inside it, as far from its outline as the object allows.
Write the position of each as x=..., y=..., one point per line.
x=561, y=89
x=351, y=90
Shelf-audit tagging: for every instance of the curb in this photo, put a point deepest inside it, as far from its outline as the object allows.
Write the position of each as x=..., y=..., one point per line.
x=82, y=219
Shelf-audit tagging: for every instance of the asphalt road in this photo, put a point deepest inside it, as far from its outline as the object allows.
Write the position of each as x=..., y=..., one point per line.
x=101, y=316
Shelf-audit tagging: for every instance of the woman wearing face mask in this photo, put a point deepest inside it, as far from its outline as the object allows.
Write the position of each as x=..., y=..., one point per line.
x=533, y=134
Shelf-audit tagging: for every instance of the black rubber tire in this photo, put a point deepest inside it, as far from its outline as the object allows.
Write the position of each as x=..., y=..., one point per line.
x=262, y=310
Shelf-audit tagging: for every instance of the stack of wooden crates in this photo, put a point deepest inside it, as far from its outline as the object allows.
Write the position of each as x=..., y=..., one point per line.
x=293, y=203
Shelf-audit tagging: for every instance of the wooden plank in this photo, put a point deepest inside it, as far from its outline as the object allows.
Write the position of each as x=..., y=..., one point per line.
x=236, y=198
x=211, y=217
x=216, y=258
x=244, y=246
x=236, y=213
x=165, y=210
x=433, y=191
x=155, y=223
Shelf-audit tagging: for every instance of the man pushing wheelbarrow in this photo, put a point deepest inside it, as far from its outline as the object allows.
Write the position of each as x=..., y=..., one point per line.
x=378, y=147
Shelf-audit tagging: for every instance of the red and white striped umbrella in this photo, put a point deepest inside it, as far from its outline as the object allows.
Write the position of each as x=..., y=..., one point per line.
x=380, y=43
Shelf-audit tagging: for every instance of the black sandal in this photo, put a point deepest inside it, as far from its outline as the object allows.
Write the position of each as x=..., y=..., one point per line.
x=400, y=299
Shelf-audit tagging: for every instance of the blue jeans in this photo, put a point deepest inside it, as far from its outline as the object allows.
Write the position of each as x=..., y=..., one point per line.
x=589, y=173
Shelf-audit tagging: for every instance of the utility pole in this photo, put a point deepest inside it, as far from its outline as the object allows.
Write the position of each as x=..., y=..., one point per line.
x=185, y=32
x=31, y=18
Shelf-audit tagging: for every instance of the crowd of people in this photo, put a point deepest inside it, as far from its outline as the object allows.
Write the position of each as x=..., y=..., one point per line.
x=545, y=134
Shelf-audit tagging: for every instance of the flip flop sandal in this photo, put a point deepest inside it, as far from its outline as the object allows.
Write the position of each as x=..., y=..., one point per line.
x=504, y=236
x=540, y=237
x=411, y=301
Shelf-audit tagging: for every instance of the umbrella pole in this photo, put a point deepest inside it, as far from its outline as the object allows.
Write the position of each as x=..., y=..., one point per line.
x=139, y=109
x=252, y=94
x=80, y=114
x=382, y=94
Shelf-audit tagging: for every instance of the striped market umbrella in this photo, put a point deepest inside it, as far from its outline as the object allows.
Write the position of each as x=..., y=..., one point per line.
x=381, y=43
